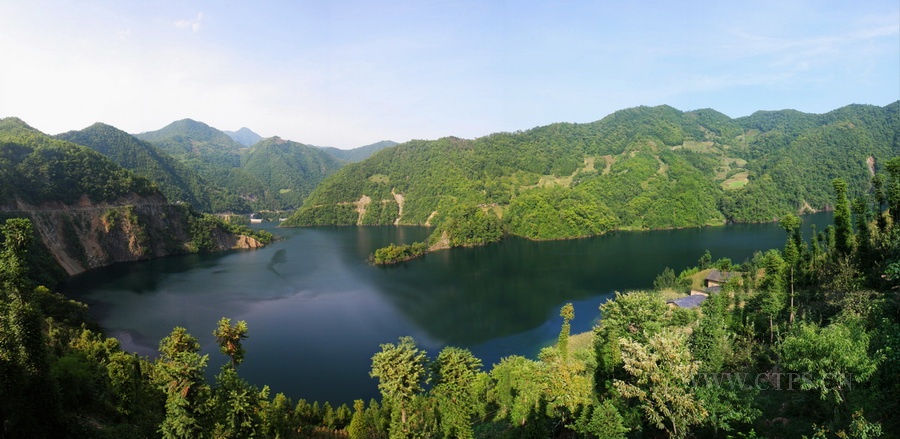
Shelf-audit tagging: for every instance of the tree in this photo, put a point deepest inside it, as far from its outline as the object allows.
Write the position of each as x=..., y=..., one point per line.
x=230, y=340
x=829, y=359
x=400, y=369
x=704, y=262
x=771, y=288
x=636, y=315
x=180, y=370
x=603, y=421
x=516, y=389
x=456, y=371
x=568, y=314
x=893, y=191
x=660, y=373
x=30, y=404
x=843, y=230
x=791, y=224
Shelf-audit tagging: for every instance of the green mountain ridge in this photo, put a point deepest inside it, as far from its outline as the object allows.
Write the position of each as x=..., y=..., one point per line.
x=291, y=170
x=89, y=211
x=359, y=154
x=174, y=179
x=638, y=168
x=264, y=176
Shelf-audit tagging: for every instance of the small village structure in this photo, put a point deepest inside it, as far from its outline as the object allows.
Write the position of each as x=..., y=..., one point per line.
x=713, y=285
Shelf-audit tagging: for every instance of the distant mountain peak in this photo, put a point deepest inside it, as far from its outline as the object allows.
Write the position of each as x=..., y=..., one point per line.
x=245, y=136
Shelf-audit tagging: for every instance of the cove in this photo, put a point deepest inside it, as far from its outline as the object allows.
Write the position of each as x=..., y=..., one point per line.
x=317, y=310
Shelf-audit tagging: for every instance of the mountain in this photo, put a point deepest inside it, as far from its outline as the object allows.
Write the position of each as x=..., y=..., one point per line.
x=638, y=168
x=173, y=178
x=358, y=154
x=289, y=169
x=244, y=136
x=90, y=212
x=273, y=174
x=213, y=156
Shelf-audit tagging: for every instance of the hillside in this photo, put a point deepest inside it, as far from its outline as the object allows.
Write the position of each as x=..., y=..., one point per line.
x=244, y=136
x=173, y=178
x=266, y=176
x=639, y=168
x=359, y=154
x=289, y=170
x=213, y=156
x=90, y=212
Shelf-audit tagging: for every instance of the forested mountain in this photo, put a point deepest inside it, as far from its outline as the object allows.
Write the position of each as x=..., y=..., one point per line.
x=359, y=154
x=36, y=168
x=174, y=179
x=244, y=136
x=270, y=175
x=212, y=155
x=639, y=168
x=289, y=169
x=89, y=211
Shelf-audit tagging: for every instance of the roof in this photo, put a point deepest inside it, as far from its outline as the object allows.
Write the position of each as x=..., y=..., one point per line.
x=718, y=276
x=688, y=301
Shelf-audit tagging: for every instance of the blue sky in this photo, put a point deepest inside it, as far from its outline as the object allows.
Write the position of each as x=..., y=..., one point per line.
x=346, y=74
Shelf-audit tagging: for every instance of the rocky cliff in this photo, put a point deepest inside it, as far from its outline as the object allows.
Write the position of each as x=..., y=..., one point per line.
x=87, y=235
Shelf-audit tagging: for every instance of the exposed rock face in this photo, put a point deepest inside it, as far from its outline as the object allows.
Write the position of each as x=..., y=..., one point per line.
x=90, y=235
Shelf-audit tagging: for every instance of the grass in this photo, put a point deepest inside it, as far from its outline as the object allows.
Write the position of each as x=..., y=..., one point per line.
x=380, y=178
x=581, y=342
x=736, y=181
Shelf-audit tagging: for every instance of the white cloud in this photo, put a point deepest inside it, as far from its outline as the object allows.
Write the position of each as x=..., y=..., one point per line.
x=194, y=25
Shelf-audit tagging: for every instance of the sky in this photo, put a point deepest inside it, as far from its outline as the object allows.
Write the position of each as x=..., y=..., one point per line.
x=350, y=73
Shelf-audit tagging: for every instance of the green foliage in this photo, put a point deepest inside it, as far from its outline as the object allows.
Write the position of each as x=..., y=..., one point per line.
x=558, y=213
x=842, y=227
x=660, y=373
x=174, y=179
x=393, y=253
x=37, y=168
x=456, y=374
x=180, y=370
x=467, y=226
x=568, y=314
x=401, y=374
x=289, y=170
x=830, y=359
x=230, y=339
x=665, y=280
x=272, y=174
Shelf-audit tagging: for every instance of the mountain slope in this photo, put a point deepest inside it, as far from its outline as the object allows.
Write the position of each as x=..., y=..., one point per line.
x=244, y=136
x=173, y=178
x=639, y=168
x=212, y=155
x=289, y=170
x=359, y=154
x=89, y=211
x=273, y=174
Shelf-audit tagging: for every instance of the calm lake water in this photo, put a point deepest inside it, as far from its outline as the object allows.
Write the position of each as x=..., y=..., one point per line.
x=317, y=311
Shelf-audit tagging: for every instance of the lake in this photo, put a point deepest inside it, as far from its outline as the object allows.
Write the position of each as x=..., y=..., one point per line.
x=317, y=310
